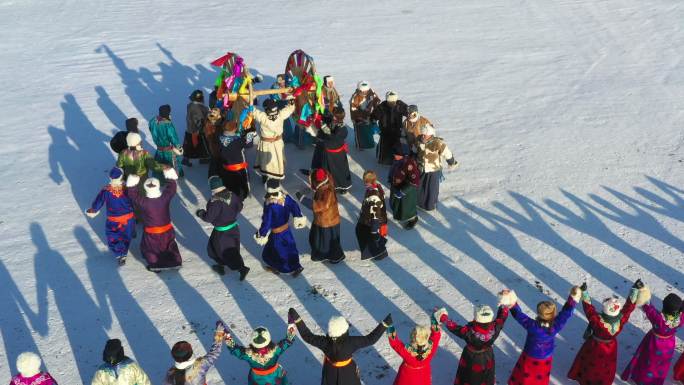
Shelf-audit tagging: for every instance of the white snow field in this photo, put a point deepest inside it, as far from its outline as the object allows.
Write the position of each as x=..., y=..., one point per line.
x=566, y=117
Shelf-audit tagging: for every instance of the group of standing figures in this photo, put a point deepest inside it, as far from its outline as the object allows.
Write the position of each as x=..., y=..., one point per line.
x=407, y=142
x=595, y=363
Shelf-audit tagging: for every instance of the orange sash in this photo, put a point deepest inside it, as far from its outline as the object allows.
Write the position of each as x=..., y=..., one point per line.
x=338, y=364
x=280, y=229
x=121, y=220
x=265, y=372
x=158, y=229
x=235, y=166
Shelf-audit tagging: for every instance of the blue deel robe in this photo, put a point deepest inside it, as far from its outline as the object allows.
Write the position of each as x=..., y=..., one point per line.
x=119, y=233
x=280, y=251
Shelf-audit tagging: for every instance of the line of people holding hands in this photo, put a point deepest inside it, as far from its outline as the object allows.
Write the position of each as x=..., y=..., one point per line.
x=595, y=363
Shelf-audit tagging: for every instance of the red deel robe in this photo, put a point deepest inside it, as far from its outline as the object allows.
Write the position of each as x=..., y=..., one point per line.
x=414, y=371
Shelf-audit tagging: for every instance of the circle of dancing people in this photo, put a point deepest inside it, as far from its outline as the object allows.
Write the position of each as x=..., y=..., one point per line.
x=594, y=364
x=303, y=108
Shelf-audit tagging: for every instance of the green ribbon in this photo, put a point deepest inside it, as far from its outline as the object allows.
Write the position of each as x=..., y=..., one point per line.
x=226, y=227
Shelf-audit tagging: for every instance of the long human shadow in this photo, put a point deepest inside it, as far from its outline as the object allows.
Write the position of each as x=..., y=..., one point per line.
x=664, y=207
x=588, y=223
x=502, y=239
x=16, y=332
x=641, y=220
x=111, y=293
x=80, y=154
x=82, y=318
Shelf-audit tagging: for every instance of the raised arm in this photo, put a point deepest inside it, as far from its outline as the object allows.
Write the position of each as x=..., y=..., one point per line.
x=564, y=315
x=98, y=202
x=309, y=337
x=369, y=339
x=211, y=357
x=522, y=318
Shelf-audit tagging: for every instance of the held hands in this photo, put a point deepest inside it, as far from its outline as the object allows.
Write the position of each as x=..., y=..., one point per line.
x=638, y=284
x=576, y=293
x=220, y=333
x=584, y=286
x=440, y=315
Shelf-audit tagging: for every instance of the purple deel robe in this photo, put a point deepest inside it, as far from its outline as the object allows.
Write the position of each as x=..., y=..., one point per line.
x=651, y=362
x=160, y=250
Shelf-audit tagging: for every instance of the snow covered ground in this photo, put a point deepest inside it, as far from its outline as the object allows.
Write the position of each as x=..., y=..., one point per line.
x=566, y=117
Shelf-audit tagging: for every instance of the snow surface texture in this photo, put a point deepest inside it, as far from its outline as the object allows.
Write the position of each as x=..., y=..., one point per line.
x=565, y=116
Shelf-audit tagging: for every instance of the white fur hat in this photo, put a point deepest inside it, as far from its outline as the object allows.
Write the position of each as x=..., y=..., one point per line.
x=391, y=96
x=483, y=314
x=427, y=129
x=152, y=188
x=337, y=326
x=261, y=337
x=133, y=139
x=611, y=306
x=329, y=80
x=363, y=86
x=28, y=364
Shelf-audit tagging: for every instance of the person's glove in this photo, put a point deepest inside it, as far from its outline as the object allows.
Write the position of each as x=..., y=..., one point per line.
x=201, y=212
x=584, y=286
x=91, y=213
x=638, y=284
x=292, y=316
x=388, y=320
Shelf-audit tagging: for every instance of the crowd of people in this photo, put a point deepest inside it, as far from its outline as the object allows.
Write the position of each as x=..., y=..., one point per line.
x=595, y=363
x=142, y=185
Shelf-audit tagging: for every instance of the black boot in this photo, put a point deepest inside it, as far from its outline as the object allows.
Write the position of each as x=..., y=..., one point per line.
x=243, y=272
x=411, y=224
x=220, y=269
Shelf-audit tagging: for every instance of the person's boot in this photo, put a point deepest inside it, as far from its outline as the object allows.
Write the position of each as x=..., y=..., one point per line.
x=121, y=260
x=411, y=224
x=243, y=273
x=220, y=269
x=297, y=272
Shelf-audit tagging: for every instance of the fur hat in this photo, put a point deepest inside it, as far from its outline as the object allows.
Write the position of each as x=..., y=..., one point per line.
x=391, y=96
x=270, y=106
x=132, y=125
x=116, y=175
x=319, y=177
x=165, y=111
x=508, y=298
x=113, y=352
x=261, y=337
x=133, y=139
x=337, y=327
x=363, y=86
x=152, y=188
x=420, y=335
x=483, y=314
x=28, y=364
x=643, y=296
x=273, y=186
x=181, y=351
x=546, y=311
x=197, y=96
x=216, y=184
x=611, y=306
x=328, y=80
x=214, y=115
x=672, y=304
x=411, y=109
x=427, y=130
